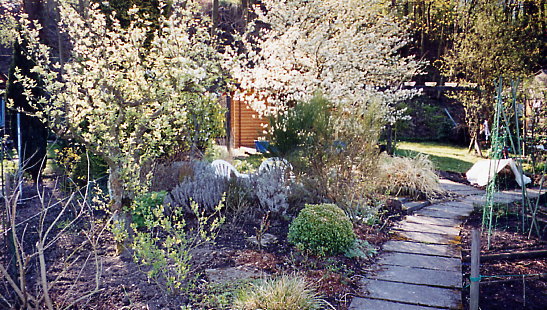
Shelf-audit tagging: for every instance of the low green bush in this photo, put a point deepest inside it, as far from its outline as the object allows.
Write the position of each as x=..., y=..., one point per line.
x=164, y=250
x=322, y=229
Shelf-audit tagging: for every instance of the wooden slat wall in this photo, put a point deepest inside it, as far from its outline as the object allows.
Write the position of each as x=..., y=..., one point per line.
x=247, y=126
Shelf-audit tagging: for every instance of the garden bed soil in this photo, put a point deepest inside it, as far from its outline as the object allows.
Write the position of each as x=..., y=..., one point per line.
x=510, y=290
x=123, y=284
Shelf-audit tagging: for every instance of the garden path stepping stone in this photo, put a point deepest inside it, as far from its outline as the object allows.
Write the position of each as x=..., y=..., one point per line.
x=415, y=294
x=420, y=261
x=409, y=226
x=458, y=188
x=433, y=221
x=439, y=278
x=427, y=237
x=424, y=270
x=421, y=248
x=452, y=209
x=377, y=304
x=448, y=214
x=413, y=206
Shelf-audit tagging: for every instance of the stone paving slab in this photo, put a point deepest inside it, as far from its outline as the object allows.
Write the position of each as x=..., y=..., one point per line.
x=421, y=248
x=421, y=261
x=414, y=294
x=424, y=271
x=447, y=214
x=455, y=204
x=439, y=278
x=428, y=228
x=476, y=199
x=359, y=303
x=458, y=188
x=469, y=192
x=427, y=237
x=433, y=221
x=505, y=197
x=459, y=211
x=413, y=206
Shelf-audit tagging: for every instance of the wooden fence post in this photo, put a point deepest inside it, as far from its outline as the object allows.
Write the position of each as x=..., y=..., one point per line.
x=475, y=269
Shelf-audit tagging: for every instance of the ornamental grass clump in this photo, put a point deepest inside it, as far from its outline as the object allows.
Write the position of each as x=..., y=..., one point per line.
x=282, y=293
x=409, y=176
x=322, y=229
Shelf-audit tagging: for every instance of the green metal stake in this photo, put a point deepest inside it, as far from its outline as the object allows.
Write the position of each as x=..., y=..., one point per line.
x=496, y=148
x=514, y=89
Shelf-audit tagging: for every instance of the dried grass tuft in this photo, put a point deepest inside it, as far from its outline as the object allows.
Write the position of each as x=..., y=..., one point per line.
x=409, y=176
x=287, y=292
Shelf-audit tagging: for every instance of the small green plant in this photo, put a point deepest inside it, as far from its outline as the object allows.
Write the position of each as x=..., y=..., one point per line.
x=322, y=229
x=282, y=293
x=260, y=231
x=210, y=295
x=144, y=206
x=164, y=248
x=361, y=249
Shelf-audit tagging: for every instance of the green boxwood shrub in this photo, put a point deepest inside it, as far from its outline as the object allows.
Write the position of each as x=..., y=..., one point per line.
x=322, y=229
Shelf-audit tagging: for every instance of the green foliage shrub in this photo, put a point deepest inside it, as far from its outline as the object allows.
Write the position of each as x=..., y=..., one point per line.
x=283, y=293
x=322, y=229
x=164, y=250
x=79, y=164
x=340, y=167
x=305, y=124
x=427, y=121
x=144, y=206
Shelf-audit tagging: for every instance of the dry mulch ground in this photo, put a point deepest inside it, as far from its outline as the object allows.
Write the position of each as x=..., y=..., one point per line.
x=514, y=285
x=123, y=285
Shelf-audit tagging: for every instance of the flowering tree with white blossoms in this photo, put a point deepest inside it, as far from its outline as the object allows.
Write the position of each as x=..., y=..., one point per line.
x=344, y=49
x=126, y=99
x=348, y=52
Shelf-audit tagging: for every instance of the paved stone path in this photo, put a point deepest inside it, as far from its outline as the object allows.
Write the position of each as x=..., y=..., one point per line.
x=420, y=268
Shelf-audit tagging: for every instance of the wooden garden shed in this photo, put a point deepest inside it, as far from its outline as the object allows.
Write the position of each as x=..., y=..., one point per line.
x=245, y=125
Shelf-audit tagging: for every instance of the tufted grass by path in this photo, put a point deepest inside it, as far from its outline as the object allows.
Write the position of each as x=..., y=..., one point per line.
x=445, y=157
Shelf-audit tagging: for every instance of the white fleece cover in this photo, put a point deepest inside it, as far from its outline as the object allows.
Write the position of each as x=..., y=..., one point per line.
x=484, y=170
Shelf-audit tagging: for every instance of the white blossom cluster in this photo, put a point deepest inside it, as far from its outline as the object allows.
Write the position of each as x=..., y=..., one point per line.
x=123, y=95
x=347, y=50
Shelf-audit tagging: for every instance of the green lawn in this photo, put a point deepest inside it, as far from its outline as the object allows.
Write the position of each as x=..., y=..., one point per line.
x=446, y=157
